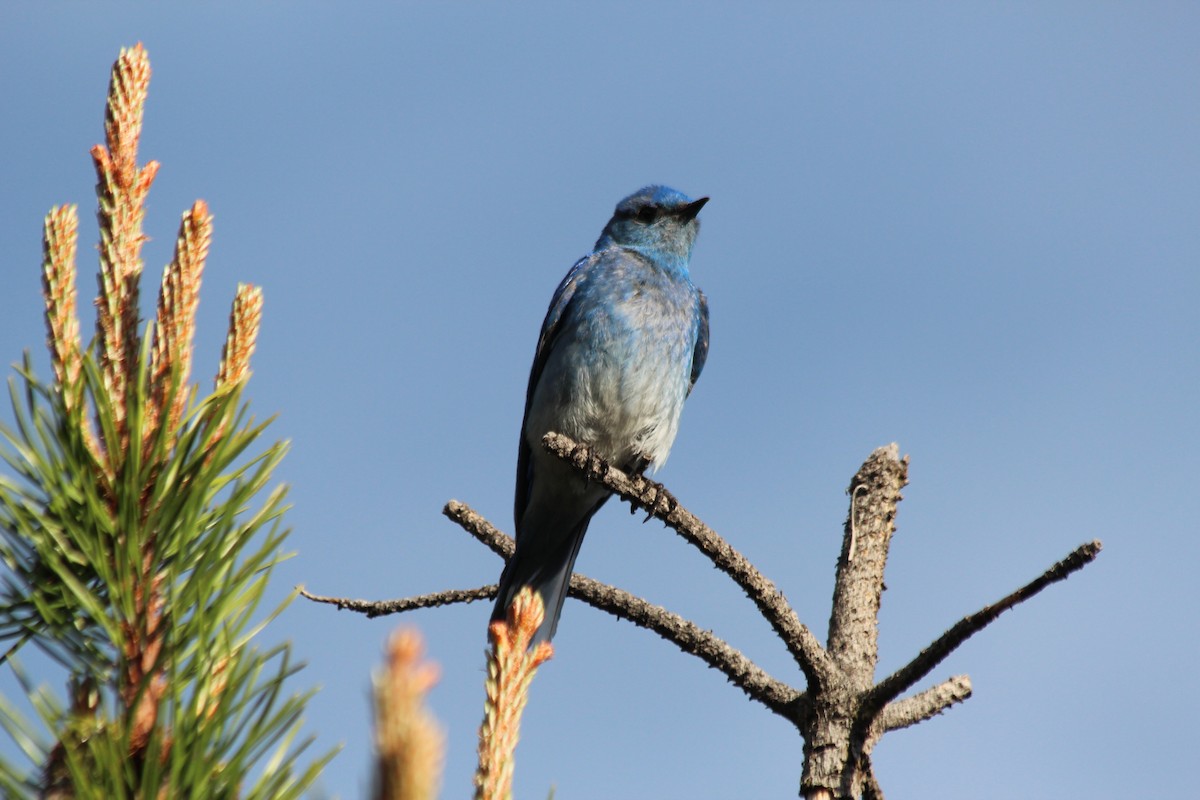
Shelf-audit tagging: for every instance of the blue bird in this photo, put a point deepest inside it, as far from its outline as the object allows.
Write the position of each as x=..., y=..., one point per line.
x=623, y=342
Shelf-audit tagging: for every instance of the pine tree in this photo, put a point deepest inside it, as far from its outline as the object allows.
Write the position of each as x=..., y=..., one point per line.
x=138, y=525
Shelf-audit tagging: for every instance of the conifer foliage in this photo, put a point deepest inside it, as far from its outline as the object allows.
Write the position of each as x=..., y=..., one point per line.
x=138, y=525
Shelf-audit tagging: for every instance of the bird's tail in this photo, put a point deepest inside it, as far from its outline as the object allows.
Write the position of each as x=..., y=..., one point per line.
x=547, y=573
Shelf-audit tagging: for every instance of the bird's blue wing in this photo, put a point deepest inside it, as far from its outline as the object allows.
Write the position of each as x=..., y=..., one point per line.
x=551, y=326
x=700, y=353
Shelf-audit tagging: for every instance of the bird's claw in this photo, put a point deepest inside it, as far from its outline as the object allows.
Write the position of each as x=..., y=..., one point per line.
x=585, y=458
x=663, y=500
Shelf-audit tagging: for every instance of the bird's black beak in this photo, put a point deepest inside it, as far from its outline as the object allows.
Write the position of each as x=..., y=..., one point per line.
x=690, y=211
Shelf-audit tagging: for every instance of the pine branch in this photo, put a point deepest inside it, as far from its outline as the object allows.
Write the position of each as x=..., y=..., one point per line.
x=136, y=544
x=512, y=663
x=60, y=240
x=122, y=189
x=410, y=746
x=175, y=323
x=244, y=321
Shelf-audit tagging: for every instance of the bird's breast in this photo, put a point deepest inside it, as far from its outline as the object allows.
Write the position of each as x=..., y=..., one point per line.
x=618, y=373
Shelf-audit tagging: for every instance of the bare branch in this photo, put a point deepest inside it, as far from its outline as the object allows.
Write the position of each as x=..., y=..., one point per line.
x=684, y=634
x=923, y=706
x=931, y=656
x=854, y=618
x=641, y=492
x=381, y=608
x=691, y=639
x=477, y=525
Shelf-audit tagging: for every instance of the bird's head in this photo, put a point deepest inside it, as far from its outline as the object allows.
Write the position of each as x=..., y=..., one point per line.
x=656, y=220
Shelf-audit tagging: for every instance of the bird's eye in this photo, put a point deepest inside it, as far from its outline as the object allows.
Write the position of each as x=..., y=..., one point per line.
x=647, y=214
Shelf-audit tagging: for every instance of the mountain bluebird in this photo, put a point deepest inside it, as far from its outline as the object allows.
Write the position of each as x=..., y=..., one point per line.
x=622, y=345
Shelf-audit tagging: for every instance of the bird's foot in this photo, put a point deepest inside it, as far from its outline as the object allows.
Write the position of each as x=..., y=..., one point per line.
x=588, y=460
x=661, y=500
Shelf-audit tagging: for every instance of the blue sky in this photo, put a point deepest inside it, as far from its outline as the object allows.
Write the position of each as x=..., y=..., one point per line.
x=968, y=228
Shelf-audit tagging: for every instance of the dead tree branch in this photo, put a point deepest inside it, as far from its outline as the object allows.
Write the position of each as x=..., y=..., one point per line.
x=684, y=634
x=844, y=712
x=380, y=608
x=924, y=705
x=902, y=679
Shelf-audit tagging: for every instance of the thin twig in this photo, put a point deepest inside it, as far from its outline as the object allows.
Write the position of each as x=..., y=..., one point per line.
x=381, y=608
x=903, y=678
